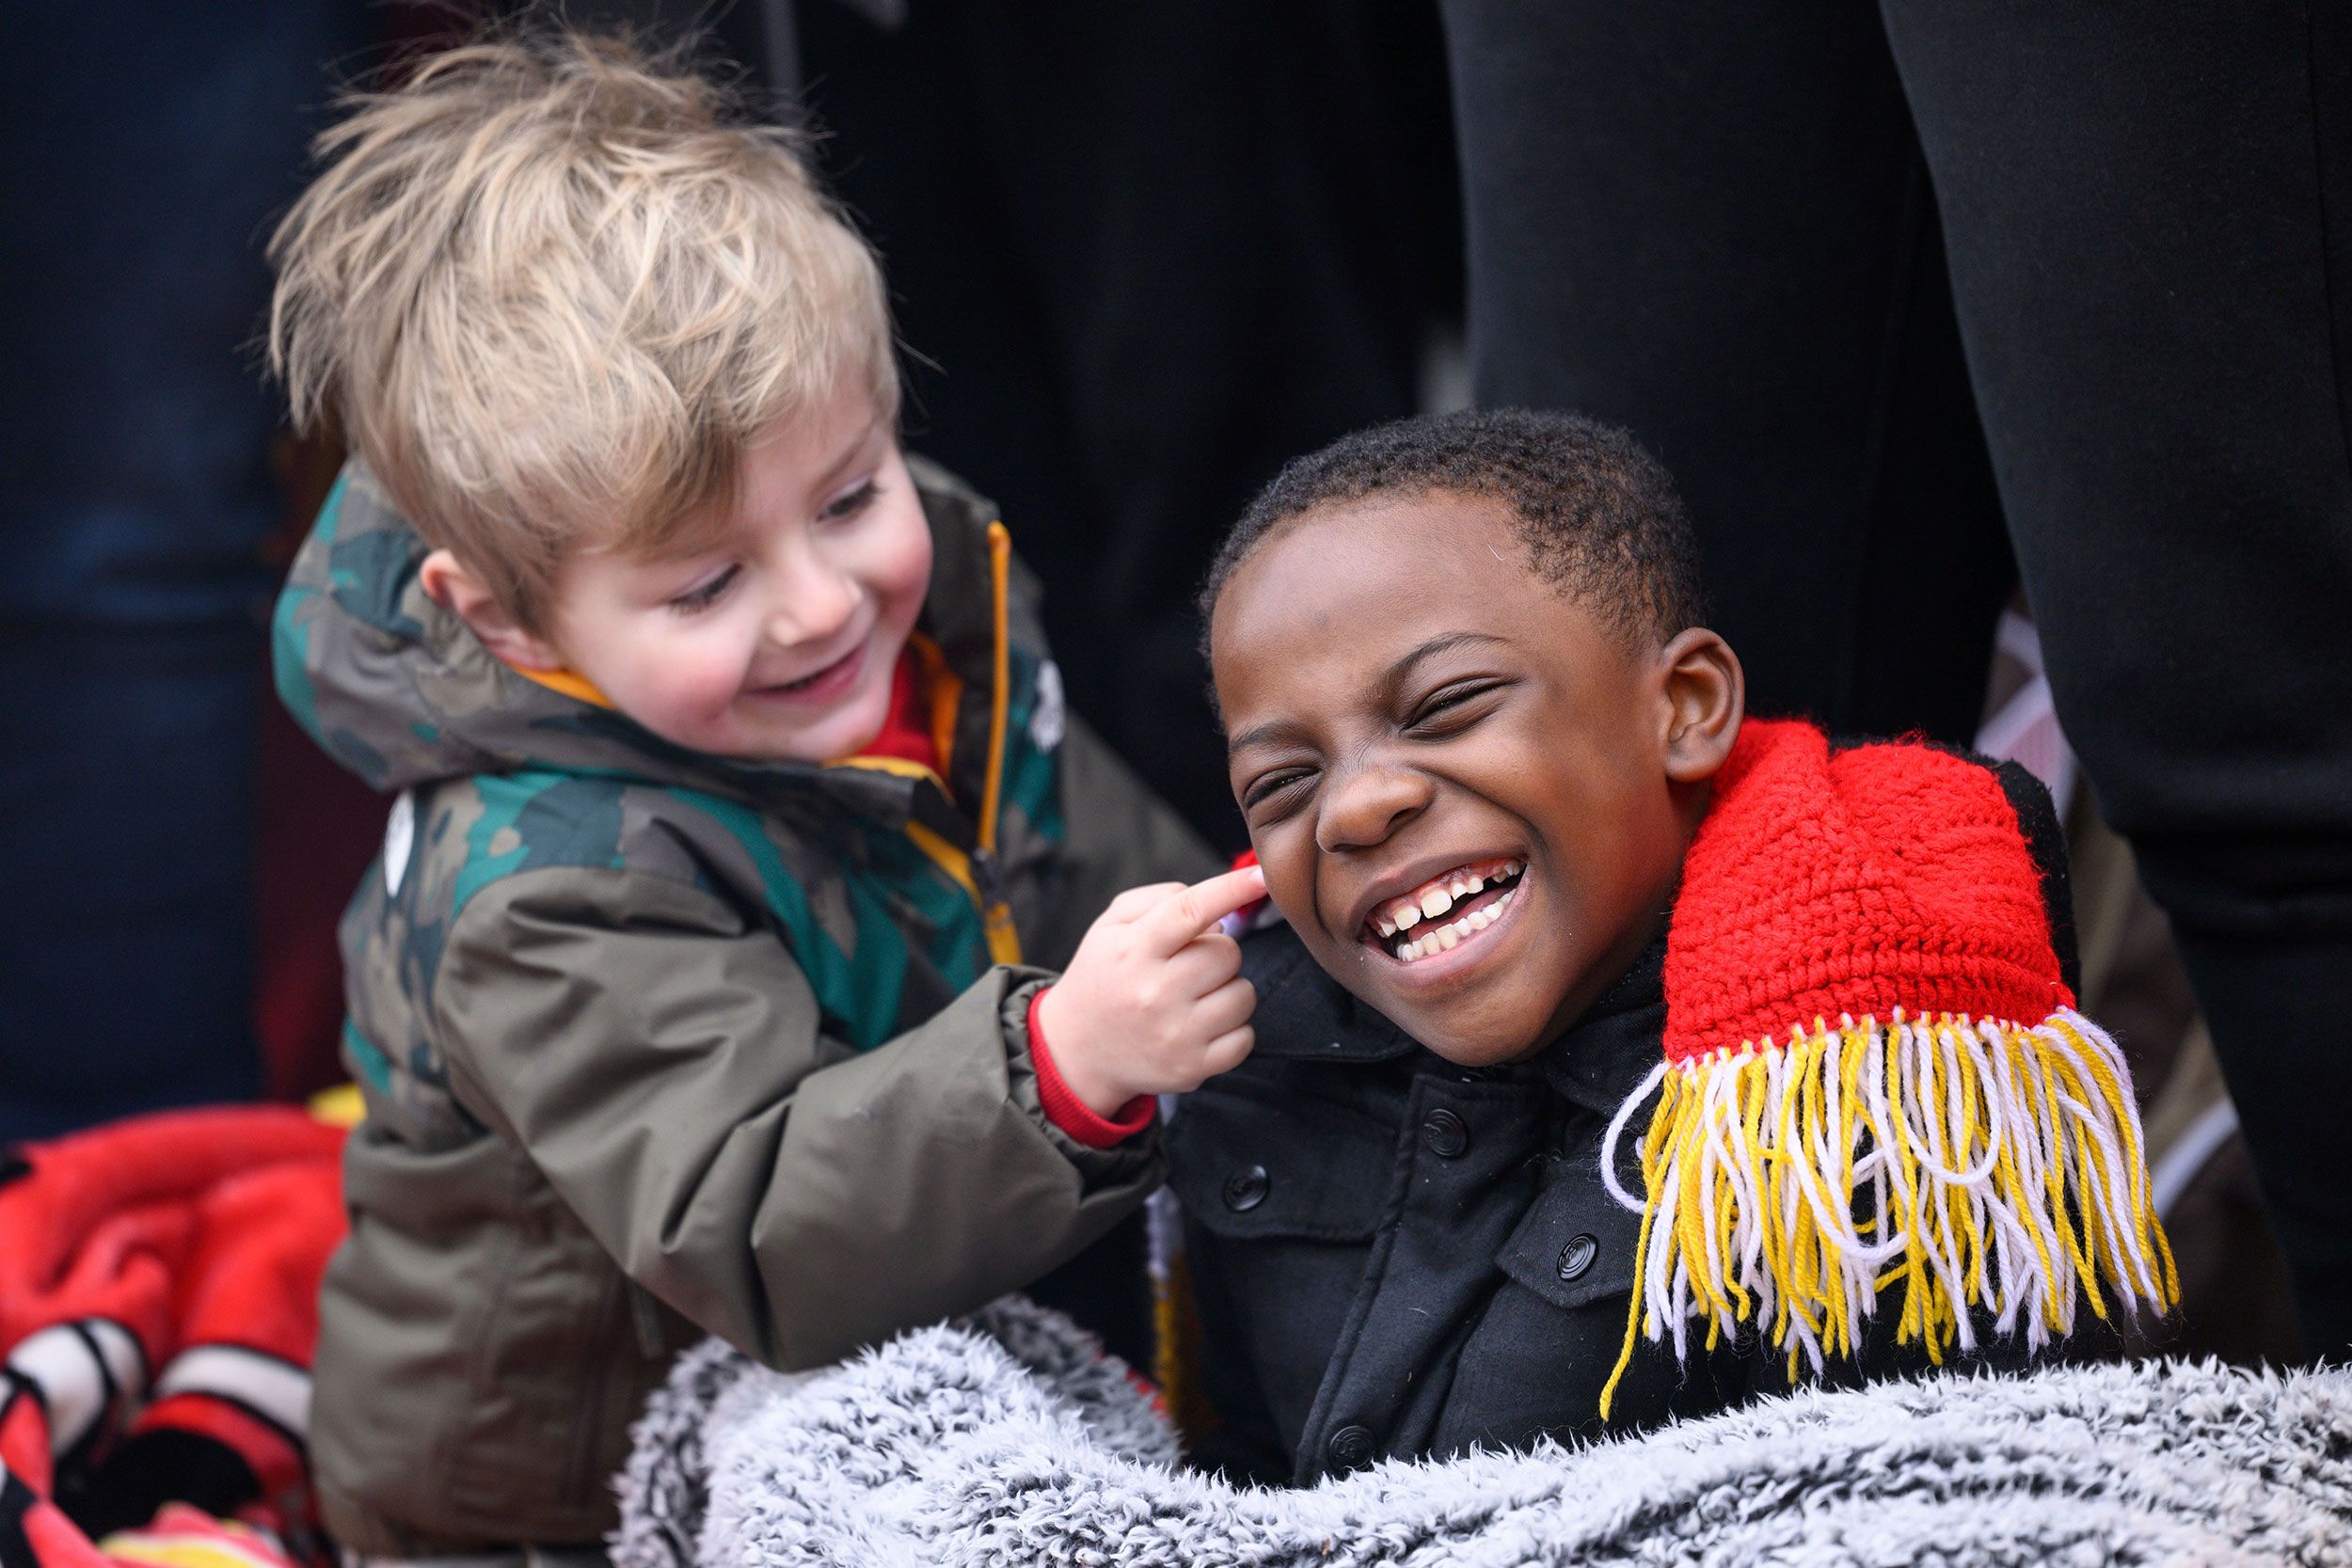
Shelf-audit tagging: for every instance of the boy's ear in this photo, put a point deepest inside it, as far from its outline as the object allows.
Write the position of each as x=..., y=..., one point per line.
x=1705, y=697
x=447, y=581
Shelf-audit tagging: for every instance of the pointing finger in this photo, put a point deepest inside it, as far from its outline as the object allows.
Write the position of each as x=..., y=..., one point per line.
x=1138, y=901
x=1193, y=910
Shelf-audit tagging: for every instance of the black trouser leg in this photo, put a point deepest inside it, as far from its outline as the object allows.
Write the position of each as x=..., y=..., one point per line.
x=1708, y=220
x=148, y=147
x=2150, y=221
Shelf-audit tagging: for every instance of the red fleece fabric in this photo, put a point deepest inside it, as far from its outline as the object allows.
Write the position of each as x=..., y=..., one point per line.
x=159, y=1282
x=1879, y=877
x=1065, y=1110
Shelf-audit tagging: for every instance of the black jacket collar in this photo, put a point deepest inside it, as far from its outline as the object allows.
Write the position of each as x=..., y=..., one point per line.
x=1303, y=1014
x=1608, y=1052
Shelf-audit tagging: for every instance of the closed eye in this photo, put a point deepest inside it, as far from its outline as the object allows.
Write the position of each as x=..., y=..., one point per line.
x=1450, y=709
x=1269, y=787
x=851, y=502
x=706, y=593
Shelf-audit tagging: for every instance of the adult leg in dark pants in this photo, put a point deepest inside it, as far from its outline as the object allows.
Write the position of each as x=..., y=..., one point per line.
x=147, y=146
x=2142, y=214
x=1708, y=220
x=2150, y=214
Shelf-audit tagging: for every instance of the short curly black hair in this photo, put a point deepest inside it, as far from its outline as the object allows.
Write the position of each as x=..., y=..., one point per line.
x=1599, y=516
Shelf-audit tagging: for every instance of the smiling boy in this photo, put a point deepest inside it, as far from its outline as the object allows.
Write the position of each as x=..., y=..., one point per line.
x=738, y=638
x=705, y=983
x=1419, y=606
x=1524, y=848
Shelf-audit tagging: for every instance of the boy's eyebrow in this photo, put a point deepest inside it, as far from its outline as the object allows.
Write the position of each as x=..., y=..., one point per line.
x=848, y=452
x=1443, y=643
x=1267, y=734
x=1275, y=730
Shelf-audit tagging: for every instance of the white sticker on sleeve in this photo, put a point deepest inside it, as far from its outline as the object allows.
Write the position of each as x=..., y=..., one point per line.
x=400, y=838
x=1051, y=719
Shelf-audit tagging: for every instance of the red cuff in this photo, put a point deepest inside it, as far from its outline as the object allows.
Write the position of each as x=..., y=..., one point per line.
x=1066, y=1111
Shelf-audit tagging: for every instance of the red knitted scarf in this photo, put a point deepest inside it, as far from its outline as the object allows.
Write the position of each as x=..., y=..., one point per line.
x=1876, y=1092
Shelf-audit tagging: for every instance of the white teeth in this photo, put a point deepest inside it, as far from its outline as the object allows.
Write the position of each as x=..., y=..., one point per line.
x=1444, y=938
x=1407, y=913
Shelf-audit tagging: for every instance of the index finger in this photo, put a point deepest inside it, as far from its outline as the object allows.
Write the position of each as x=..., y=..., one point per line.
x=1188, y=914
x=1136, y=902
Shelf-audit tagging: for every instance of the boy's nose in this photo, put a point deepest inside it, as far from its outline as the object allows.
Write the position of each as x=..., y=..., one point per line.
x=813, y=603
x=1366, y=805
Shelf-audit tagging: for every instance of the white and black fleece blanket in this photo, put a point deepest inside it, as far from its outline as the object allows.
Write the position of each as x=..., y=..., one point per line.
x=1008, y=1438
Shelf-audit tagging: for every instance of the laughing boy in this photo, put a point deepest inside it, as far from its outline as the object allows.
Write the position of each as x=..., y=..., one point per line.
x=1617, y=1058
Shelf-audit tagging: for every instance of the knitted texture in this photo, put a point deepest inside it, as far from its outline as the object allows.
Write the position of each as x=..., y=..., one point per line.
x=1883, y=877
x=1007, y=1439
x=1875, y=1087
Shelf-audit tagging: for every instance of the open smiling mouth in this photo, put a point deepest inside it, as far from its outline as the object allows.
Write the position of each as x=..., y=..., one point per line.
x=1445, y=911
x=821, y=681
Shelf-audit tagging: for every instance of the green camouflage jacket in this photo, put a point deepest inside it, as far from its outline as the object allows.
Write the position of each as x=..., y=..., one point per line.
x=654, y=1042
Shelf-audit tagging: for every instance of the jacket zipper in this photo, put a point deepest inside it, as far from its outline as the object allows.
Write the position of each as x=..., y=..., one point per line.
x=976, y=871
x=1004, y=943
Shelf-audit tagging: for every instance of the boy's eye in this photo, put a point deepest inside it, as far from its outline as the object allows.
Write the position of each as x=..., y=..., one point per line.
x=1267, y=786
x=851, y=502
x=1451, y=709
x=705, y=594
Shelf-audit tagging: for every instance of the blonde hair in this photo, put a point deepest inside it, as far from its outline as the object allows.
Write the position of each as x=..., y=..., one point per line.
x=552, y=287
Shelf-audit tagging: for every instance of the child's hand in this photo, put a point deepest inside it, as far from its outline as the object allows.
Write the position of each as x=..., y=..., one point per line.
x=1153, y=1002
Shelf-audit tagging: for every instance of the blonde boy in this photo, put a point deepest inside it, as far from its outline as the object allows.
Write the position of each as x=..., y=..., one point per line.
x=691, y=991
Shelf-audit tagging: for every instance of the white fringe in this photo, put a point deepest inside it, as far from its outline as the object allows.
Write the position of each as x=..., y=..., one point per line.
x=2000, y=1085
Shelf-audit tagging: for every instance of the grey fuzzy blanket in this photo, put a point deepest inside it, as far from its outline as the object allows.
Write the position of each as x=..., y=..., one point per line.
x=1010, y=1439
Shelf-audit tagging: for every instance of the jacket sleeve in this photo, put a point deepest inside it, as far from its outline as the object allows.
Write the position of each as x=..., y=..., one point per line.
x=662, y=1062
x=1120, y=835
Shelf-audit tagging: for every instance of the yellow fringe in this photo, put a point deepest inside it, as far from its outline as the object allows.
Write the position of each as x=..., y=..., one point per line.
x=1973, y=1165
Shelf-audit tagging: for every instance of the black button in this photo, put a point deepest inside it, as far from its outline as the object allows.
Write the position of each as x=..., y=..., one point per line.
x=1349, y=1447
x=1445, y=1134
x=1578, y=1256
x=1245, y=1189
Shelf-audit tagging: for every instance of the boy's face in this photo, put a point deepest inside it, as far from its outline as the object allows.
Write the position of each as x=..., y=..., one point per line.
x=775, y=643
x=1414, y=716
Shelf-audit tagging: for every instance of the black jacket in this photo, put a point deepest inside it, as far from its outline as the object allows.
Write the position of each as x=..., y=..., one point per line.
x=1396, y=1256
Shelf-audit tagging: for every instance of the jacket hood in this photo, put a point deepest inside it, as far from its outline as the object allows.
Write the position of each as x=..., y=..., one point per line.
x=400, y=692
